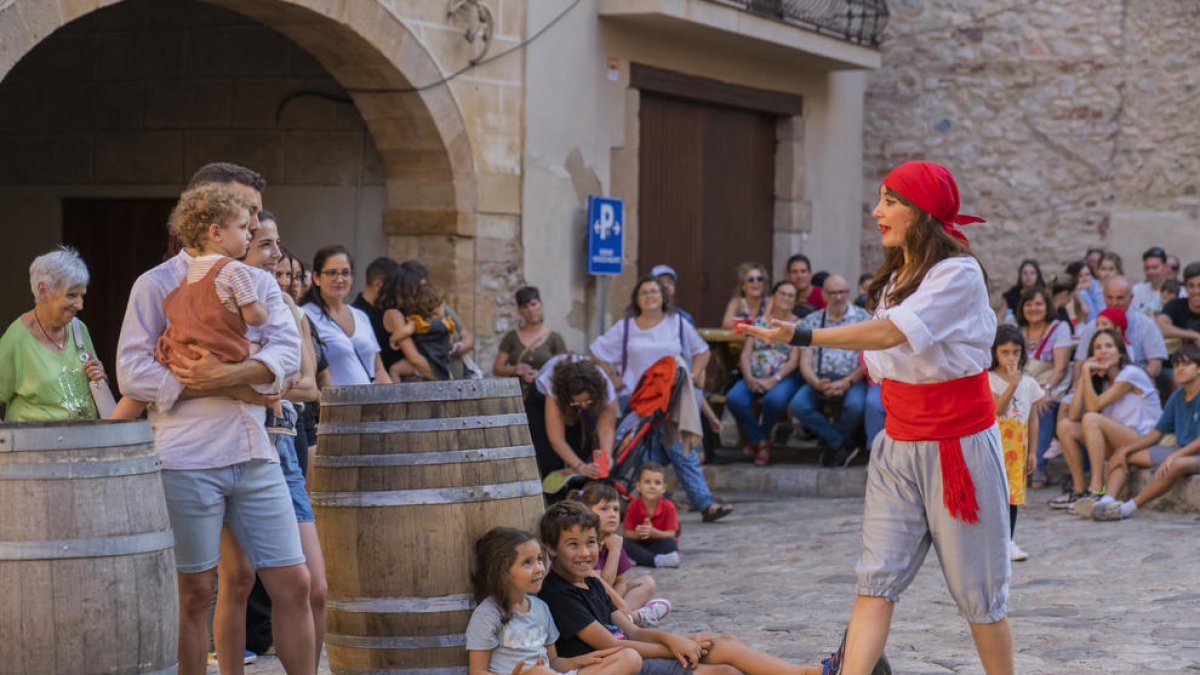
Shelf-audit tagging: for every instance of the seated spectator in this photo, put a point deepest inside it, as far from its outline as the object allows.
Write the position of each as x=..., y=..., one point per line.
x=1048, y=349
x=768, y=372
x=572, y=411
x=1110, y=266
x=799, y=272
x=749, y=301
x=864, y=280
x=817, y=297
x=1029, y=275
x=1147, y=295
x=1149, y=352
x=1082, y=293
x=350, y=343
x=1113, y=404
x=1096, y=288
x=1171, y=290
x=651, y=521
x=1172, y=269
x=587, y=620
x=668, y=277
x=1180, y=317
x=44, y=368
x=1180, y=416
x=525, y=350
x=832, y=374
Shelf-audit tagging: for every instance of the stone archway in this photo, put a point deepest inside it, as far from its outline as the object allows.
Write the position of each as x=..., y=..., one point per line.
x=421, y=136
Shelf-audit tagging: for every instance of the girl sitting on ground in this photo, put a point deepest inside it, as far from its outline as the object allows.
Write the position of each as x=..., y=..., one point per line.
x=637, y=595
x=1015, y=394
x=511, y=630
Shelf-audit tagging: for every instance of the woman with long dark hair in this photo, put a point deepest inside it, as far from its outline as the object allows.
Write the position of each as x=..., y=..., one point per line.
x=1029, y=275
x=937, y=473
x=350, y=344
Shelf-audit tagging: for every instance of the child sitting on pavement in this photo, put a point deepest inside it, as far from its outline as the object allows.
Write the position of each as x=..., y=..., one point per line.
x=587, y=620
x=636, y=595
x=1180, y=416
x=652, y=521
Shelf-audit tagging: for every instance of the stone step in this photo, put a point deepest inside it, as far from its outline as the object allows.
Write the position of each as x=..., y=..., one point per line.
x=793, y=480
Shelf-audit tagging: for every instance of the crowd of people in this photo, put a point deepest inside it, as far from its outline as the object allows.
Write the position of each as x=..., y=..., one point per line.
x=227, y=344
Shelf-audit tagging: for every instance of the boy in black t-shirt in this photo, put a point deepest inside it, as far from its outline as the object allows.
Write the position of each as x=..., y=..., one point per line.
x=587, y=620
x=1180, y=317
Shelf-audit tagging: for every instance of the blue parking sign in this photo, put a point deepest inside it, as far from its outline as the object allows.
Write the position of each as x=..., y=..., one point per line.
x=606, y=235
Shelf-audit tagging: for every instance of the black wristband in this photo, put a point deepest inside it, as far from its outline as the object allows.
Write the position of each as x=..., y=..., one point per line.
x=802, y=337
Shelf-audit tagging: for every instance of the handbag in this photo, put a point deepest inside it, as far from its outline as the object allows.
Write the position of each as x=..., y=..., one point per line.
x=101, y=394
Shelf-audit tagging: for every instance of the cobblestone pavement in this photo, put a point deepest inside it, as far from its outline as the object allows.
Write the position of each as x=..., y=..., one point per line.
x=1092, y=598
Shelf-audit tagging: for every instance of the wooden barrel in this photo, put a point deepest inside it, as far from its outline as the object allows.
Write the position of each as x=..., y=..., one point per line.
x=87, y=559
x=407, y=477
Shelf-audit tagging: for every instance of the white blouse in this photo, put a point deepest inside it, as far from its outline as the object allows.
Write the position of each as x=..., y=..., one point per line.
x=351, y=357
x=948, y=324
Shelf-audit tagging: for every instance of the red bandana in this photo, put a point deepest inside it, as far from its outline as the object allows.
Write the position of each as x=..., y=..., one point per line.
x=931, y=188
x=1117, y=316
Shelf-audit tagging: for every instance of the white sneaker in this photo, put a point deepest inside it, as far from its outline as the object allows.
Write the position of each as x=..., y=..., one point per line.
x=667, y=559
x=1053, y=450
x=653, y=613
x=1015, y=553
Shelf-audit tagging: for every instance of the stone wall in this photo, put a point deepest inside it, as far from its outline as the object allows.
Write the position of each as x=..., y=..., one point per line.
x=1069, y=125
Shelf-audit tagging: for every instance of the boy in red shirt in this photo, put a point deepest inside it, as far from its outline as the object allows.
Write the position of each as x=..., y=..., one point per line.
x=651, y=521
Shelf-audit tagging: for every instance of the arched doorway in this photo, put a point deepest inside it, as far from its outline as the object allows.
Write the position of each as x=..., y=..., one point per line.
x=123, y=102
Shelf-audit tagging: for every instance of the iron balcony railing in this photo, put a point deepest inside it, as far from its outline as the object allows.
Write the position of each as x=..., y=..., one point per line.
x=860, y=21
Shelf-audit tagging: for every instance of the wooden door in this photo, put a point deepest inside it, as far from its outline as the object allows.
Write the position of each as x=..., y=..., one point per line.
x=118, y=239
x=706, y=194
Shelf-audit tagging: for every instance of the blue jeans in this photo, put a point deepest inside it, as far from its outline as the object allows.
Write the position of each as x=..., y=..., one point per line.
x=774, y=407
x=687, y=467
x=874, y=414
x=1047, y=421
x=806, y=407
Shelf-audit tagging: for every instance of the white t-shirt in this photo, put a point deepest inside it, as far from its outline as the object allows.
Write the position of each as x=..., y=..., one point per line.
x=949, y=325
x=351, y=357
x=544, y=380
x=645, y=347
x=1028, y=392
x=524, y=638
x=1137, y=411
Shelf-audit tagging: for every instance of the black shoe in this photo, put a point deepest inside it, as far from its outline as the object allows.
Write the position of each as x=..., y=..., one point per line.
x=829, y=456
x=833, y=664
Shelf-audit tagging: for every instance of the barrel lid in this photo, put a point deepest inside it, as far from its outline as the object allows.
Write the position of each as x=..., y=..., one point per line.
x=414, y=392
x=32, y=436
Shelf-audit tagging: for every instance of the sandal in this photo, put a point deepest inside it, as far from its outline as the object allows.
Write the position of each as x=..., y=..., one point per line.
x=715, y=512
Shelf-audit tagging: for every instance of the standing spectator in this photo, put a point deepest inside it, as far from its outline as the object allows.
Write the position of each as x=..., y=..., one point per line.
x=1114, y=403
x=1015, y=394
x=1048, y=355
x=241, y=612
x=749, y=301
x=218, y=464
x=462, y=343
x=525, y=350
x=1029, y=275
x=650, y=331
x=769, y=373
x=669, y=277
x=1180, y=317
x=399, y=352
x=799, y=272
x=832, y=374
x=1146, y=299
x=305, y=279
x=368, y=301
x=1149, y=350
x=350, y=343
x=44, y=373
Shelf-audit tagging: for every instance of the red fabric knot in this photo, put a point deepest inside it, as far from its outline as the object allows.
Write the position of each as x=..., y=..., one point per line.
x=931, y=188
x=1118, y=317
x=943, y=412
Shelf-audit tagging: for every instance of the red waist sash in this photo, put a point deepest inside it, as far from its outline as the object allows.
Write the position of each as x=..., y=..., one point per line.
x=943, y=412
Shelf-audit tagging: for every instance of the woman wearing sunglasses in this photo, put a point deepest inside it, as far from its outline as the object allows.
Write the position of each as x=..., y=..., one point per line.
x=749, y=301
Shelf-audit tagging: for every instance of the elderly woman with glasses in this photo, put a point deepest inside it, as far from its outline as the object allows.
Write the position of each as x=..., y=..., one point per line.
x=46, y=355
x=749, y=301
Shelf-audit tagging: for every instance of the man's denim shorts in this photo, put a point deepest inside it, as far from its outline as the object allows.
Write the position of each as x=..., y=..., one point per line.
x=251, y=496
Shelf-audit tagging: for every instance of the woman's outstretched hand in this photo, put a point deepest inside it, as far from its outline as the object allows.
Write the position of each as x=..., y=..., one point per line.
x=778, y=331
